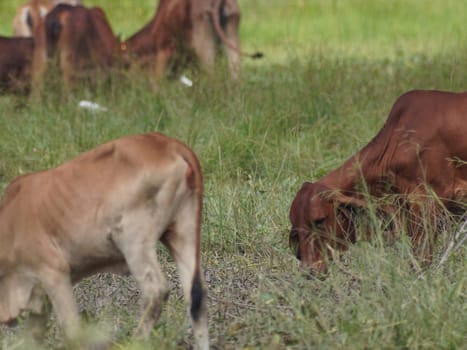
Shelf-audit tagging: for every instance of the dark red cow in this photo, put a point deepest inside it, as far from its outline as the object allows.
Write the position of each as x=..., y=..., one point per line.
x=422, y=149
x=15, y=63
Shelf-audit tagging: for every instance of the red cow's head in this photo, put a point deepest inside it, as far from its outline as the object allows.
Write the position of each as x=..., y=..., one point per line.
x=322, y=220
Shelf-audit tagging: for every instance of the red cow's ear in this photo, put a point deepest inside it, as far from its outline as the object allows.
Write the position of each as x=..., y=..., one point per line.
x=351, y=200
x=348, y=200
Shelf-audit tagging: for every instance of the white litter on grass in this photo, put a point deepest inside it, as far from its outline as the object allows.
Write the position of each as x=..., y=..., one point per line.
x=185, y=81
x=92, y=106
x=459, y=238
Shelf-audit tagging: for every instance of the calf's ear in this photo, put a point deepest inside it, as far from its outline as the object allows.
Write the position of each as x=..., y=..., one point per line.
x=349, y=200
x=339, y=198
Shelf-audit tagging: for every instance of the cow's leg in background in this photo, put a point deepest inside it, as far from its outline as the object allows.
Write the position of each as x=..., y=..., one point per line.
x=66, y=65
x=233, y=55
x=183, y=242
x=203, y=42
x=163, y=56
x=39, y=60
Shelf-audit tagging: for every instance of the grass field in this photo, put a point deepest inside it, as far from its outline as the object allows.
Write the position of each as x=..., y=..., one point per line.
x=332, y=70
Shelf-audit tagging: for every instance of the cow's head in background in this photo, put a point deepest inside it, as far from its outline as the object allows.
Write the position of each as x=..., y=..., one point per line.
x=322, y=220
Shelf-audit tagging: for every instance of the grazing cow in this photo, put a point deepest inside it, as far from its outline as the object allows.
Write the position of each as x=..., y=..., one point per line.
x=82, y=37
x=422, y=149
x=104, y=211
x=29, y=14
x=182, y=26
x=15, y=63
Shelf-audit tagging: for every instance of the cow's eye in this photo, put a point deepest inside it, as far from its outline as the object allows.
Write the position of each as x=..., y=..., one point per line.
x=319, y=222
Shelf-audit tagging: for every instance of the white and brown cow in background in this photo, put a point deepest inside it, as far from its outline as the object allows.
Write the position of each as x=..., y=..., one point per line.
x=104, y=211
x=29, y=14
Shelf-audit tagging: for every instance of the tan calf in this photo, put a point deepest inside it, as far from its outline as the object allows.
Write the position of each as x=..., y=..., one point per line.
x=104, y=211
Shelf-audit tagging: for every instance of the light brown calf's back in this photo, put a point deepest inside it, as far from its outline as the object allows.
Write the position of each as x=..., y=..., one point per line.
x=104, y=211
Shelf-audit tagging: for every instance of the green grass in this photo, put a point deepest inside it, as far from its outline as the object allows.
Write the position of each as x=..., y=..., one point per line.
x=330, y=76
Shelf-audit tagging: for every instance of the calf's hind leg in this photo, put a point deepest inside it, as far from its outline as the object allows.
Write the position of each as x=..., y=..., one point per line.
x=138, y=246
x=233, y=55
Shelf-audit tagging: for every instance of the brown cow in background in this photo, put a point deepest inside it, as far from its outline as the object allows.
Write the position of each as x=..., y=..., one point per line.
x=29, y=14
x=422, y=149
x=15, y=63
x=81, y=37
x=181, y=26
